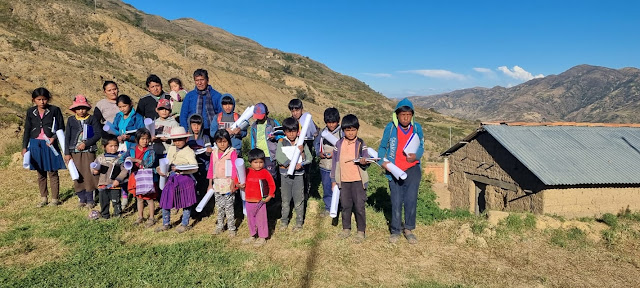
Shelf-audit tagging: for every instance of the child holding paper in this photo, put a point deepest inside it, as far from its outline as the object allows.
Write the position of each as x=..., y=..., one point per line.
x=351, y=177
x=263, y=136
x=403, y=192
x=108, y=171
x=324, y=150
x=292, y=186
x=223, y=177
x=164, y=123
x=200, y=143
x=141, y=176
x=226, y=118
x=259, y=182
x=127, y=120
x=180, y=190
x=40, y=142
x=81, y=135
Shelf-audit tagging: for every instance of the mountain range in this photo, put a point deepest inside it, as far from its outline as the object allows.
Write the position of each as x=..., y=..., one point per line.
x=583, y=93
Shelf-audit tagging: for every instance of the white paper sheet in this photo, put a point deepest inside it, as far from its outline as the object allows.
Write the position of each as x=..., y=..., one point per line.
x=204, y=200
x=164, y=168
x=412, y=145
x=149, y=124
x=395, y=171
x=61, y=139
x=244, y=117
x=26, y=161
x=73, y=171
x=242, y=178
x=128, y=164
x=306, y=121
x=335, y=200
x=329, y=137
x=109, y=128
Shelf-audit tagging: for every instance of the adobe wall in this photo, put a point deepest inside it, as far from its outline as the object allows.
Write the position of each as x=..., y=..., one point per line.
x=437, y=169
x=590, y=202
x=488, y=161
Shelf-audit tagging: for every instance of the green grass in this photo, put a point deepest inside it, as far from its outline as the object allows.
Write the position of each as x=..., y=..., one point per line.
x=572, y=238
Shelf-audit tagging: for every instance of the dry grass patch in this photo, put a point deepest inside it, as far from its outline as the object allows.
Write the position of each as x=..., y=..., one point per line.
x=32, y=252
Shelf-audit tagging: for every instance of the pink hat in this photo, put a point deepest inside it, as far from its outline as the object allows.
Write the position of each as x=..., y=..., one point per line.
x=80, y=101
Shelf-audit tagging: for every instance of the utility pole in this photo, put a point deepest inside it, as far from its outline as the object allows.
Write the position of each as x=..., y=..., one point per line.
x=95, y=6
x=185, y=48
x=449, y=136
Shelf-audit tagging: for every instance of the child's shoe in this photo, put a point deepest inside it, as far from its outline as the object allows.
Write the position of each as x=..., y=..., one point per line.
x=283, y=227
x=218, y=231
x=138, y=221
x=123, y=203
x=54, y=203
x=42, y=203
x=182, y=229
x=232, y=233
x=91, y=205
x=359, y=237
x=163, y=228
x=344, y=234
x=259, y=242
x=394, y=238
x=150, y=222
x=82, y=205
x=297, y=228
x=249, y=240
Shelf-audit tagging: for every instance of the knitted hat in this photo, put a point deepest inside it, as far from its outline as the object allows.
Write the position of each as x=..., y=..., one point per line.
x=80, y=101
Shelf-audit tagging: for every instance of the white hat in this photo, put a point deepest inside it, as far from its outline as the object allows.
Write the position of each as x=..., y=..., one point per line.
x=178, y=132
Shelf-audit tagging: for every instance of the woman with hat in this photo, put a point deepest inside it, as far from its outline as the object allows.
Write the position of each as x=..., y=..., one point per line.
x=180, y=189
x=81, y=135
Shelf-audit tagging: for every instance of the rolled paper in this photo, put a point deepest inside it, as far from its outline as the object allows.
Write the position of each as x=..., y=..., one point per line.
x=53, y=150
x=246, y=115
x=395, y=171
x=61, y=139
x=412, y=145
x=306, y=120
x=372, y=153
x=94, y=165
x=164, y=168
x=26, y=161
x=128, y=164
x=242, y=177
x=149, y=124
x=204, y=200
x=244, y=125
x=73, y=171
x=227, y=168
x=329, y=137
x=335, y=200
x=108, y=127
x=244, y=208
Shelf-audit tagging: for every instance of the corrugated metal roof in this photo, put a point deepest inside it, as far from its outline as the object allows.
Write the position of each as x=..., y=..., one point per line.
x=573, y=155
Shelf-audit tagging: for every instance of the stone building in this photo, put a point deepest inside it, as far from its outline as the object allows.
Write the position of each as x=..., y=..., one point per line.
x=568, y=169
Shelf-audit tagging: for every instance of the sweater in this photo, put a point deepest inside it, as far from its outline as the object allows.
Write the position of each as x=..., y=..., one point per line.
x=74, y=131
x=148, y=103
x=105, y=110
x=182, y=156
x=108, y=162
x=252, y=188
x=33, y=124
x=225, y=120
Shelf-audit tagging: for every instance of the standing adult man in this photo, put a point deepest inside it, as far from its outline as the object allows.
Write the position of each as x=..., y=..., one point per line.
x=403, y=192
x=148, y=103
x=203, y=100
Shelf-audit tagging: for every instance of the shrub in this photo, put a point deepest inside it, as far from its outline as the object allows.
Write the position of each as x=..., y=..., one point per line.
x=610, y=219
x=610, y=237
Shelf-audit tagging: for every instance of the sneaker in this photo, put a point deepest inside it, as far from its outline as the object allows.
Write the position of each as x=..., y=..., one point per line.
x=297, y=228
x=283, y=227
x=218, y=231
x=411, y=238
x=324, y=214
x=182, y=229
x=54, y=202
x=394, y=238
x=249, y=240
x=91, y=205
x=138, y=221
x=81, y=205
x=344, y=234
x=259, y=242
x=232, y=233
x=163, y=228
x=42, y=203
x=150, y=222
x=123, y=203
x=359, y=237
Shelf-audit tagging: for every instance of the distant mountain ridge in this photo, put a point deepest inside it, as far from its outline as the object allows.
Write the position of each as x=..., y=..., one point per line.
x=583, y=93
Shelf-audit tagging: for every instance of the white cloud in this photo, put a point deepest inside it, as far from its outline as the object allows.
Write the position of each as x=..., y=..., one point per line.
x=518, y=73
x=439, y=74
x=378, y=75
x=483, y=70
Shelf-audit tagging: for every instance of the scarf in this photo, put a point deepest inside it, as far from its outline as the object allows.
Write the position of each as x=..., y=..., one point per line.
x=208, y=104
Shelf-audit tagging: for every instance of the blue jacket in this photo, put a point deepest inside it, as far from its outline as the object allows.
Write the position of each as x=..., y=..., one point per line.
x=236, y=140
x=389, y=142
x=189, y=107
x=135, y=123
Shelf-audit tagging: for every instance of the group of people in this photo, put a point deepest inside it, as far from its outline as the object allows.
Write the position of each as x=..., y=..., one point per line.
x=193, y=152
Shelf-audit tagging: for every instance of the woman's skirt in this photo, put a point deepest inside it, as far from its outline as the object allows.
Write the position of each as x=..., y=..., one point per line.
x=87, y=181
x=179, y=192
x=43, y=158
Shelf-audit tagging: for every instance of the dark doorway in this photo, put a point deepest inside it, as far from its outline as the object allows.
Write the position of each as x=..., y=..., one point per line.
x=481, y=202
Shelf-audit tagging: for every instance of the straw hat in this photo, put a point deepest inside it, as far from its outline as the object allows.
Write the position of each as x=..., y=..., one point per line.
x=178, y=132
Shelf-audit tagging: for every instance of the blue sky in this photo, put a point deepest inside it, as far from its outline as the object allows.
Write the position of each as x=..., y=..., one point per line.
x=405, y=48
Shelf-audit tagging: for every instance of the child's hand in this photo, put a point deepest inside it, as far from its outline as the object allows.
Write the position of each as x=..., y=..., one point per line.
x=333, y=185
x=301, y=147
x=121, y=138
x=50, y=141
x=298, y=166
x=265, y=200
x=363, y=161
x=81, y=146
x=115, y=183
x=411, y=157
x=160, y=172
x=210, y=187
x=384, y=164
x=67, y=158
x=95, y=172
x=241, y=186
x=24, y=150
x=209, y=150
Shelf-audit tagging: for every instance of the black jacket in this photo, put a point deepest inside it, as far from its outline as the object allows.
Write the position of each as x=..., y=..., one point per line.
x=147, y=105
x=33, y=123
x=73, y=130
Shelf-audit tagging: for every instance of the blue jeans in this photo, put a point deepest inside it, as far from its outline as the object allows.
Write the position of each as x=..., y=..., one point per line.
x=326, y=188
x=166, y=216
x=404, y=193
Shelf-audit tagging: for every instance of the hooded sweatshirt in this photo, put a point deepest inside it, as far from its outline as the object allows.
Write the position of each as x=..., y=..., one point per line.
x=225, y=120
x=389, y=143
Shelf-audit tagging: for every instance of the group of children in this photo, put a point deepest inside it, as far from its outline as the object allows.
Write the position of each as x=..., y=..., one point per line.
x=197, y=162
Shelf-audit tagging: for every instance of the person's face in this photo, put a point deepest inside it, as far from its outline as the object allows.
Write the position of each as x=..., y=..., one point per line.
x=291, y=134
x=350, y=133
x=155, y=88
x=195, y=127
x=111, y=147
x=332, y=125
x=174, y=86
x=201, y=82
x=257, y=164
x=81, y=111
x=404, y=118
x=111, y=92
x=41, y=101
x=143, y=141
x=296, y=113
x=124, y=108
x=222, y=144
x=163, y=113
x=228, y=108
x=180, y=143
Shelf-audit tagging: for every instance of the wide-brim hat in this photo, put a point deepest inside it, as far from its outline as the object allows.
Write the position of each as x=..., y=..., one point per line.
x=178, y=132
x=80, y=101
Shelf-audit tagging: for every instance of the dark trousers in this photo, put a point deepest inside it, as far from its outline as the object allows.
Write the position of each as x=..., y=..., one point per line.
x=85, y=196
x=55, y=183
x=109, y=196
x=327, y=193
x=404, y=193
x=353, y=198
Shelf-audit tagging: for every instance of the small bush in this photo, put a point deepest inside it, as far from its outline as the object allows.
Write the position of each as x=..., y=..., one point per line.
x=478, y=226
x=573, y=237
x=627, y=214
x=530, y=221
x=610, y=219
x=610, y=237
